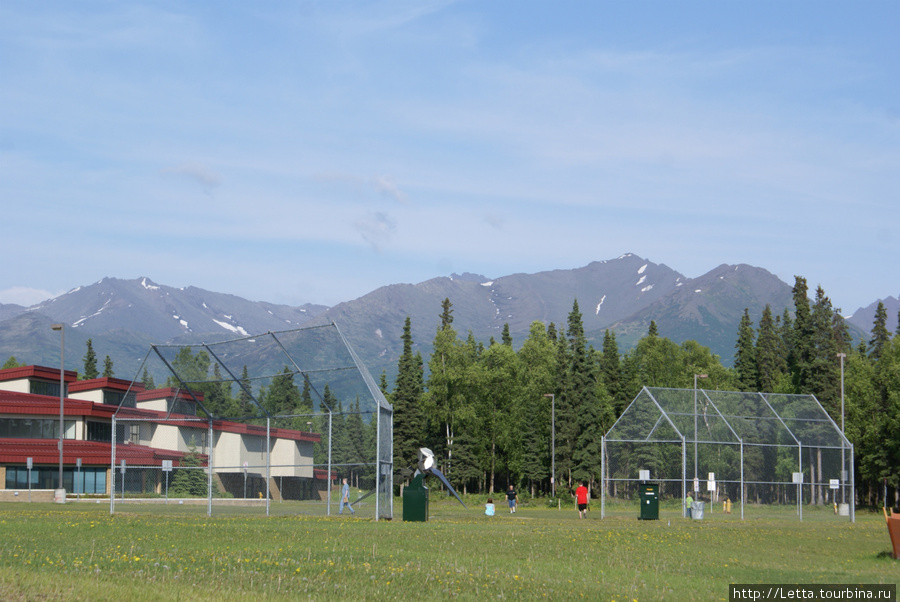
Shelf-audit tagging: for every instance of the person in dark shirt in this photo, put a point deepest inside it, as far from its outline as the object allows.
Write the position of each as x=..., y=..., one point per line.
x=513, y=498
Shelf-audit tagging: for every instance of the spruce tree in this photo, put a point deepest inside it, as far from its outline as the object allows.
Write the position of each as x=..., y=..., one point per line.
x=147, y=380
x=744, y=356
x=881, y=336
x=90, y=362
x=108, y=371
x=409, y=419
x=770, y=360
x=246, y=405
x=611, y=372
x=583, y=405
x=824, y=364
x=801, y=342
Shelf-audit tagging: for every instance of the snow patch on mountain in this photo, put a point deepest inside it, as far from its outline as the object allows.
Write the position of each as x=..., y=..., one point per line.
x=231, y=327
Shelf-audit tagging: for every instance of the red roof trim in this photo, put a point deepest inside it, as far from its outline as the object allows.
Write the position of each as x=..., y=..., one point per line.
x=168, y=393
x=111, y=384
x=29, y=404
x=92, y=453
x=40, y=372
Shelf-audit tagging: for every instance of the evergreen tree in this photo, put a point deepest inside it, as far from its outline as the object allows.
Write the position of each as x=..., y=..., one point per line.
x=192, y=370
x=771, y=363
x=356, y=450
x=90, y=362
x=506, y=338
x=611, y=372
x=802, y=344
x=108, y=367
x=10, y=363
x=245, y=405
x=565, y=418
x=583, y=406
x=282, y=398
x=409, y=419
x=147, y=380
x=446, y=313
x=190, y=478
x=881, y=336
x=824, y=364
x=330, y=413
x=744, y=357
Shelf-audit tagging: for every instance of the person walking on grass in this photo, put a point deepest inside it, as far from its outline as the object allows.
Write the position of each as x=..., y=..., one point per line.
x=345, y=497
x=582, y=498
x=513, y=498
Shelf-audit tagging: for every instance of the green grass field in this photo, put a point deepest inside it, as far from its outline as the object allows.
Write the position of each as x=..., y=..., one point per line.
x=78, y=551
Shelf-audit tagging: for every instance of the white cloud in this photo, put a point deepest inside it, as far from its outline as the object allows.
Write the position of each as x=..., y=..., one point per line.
x=25, y=296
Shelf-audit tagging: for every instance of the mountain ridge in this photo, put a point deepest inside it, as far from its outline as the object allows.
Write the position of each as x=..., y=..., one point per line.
x=124, y=317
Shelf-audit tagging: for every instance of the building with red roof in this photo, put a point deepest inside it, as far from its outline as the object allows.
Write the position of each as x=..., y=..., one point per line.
x=156, y=430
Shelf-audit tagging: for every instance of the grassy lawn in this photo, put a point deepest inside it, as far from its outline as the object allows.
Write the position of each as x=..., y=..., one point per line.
x=175, y=552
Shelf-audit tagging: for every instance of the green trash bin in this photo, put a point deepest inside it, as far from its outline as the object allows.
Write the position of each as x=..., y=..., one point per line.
x=415, y=500
x=649, y=501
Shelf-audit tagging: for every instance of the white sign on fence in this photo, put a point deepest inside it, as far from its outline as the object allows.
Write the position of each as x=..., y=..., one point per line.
x=167, y=465
x=834, y=483
x=798, y=477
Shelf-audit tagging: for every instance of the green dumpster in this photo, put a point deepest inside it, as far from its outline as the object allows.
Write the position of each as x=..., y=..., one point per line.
x=415, y=500
x=649, y=501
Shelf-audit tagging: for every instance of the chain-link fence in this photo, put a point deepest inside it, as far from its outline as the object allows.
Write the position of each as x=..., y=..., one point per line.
x=270, y=422
x=744, y=453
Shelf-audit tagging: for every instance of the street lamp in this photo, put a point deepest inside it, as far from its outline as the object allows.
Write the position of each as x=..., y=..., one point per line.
x=696, y=376
x=552, y=442
x=843, y=467
x=62, y=388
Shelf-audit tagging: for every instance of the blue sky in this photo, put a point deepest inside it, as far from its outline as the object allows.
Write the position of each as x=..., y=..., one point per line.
x=310, y=151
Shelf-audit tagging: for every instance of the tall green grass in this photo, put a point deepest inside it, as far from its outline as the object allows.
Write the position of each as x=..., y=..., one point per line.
x=80, y=552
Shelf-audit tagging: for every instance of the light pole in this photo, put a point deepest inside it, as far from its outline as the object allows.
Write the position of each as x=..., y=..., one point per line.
x=843, y=467
x=696, y=376
x=552, y=442
x=62, y=389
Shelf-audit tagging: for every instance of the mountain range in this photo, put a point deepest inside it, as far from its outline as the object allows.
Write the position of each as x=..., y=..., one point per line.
x=124, y=317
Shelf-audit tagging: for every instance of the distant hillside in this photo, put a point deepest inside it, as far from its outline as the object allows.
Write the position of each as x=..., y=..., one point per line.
x=864, y=317
x=124, y=317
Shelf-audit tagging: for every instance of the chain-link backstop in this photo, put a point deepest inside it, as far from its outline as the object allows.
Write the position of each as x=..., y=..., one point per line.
x=269, y=423
x=748, y=451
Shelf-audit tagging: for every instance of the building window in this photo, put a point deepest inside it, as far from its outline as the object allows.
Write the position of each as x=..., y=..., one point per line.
x=43, y=387
x=35, y=428
x=88, y=480
x=99, y=431
x=117, y=398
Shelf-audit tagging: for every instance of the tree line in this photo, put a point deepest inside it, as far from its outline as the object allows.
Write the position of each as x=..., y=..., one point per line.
x=485, y=410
